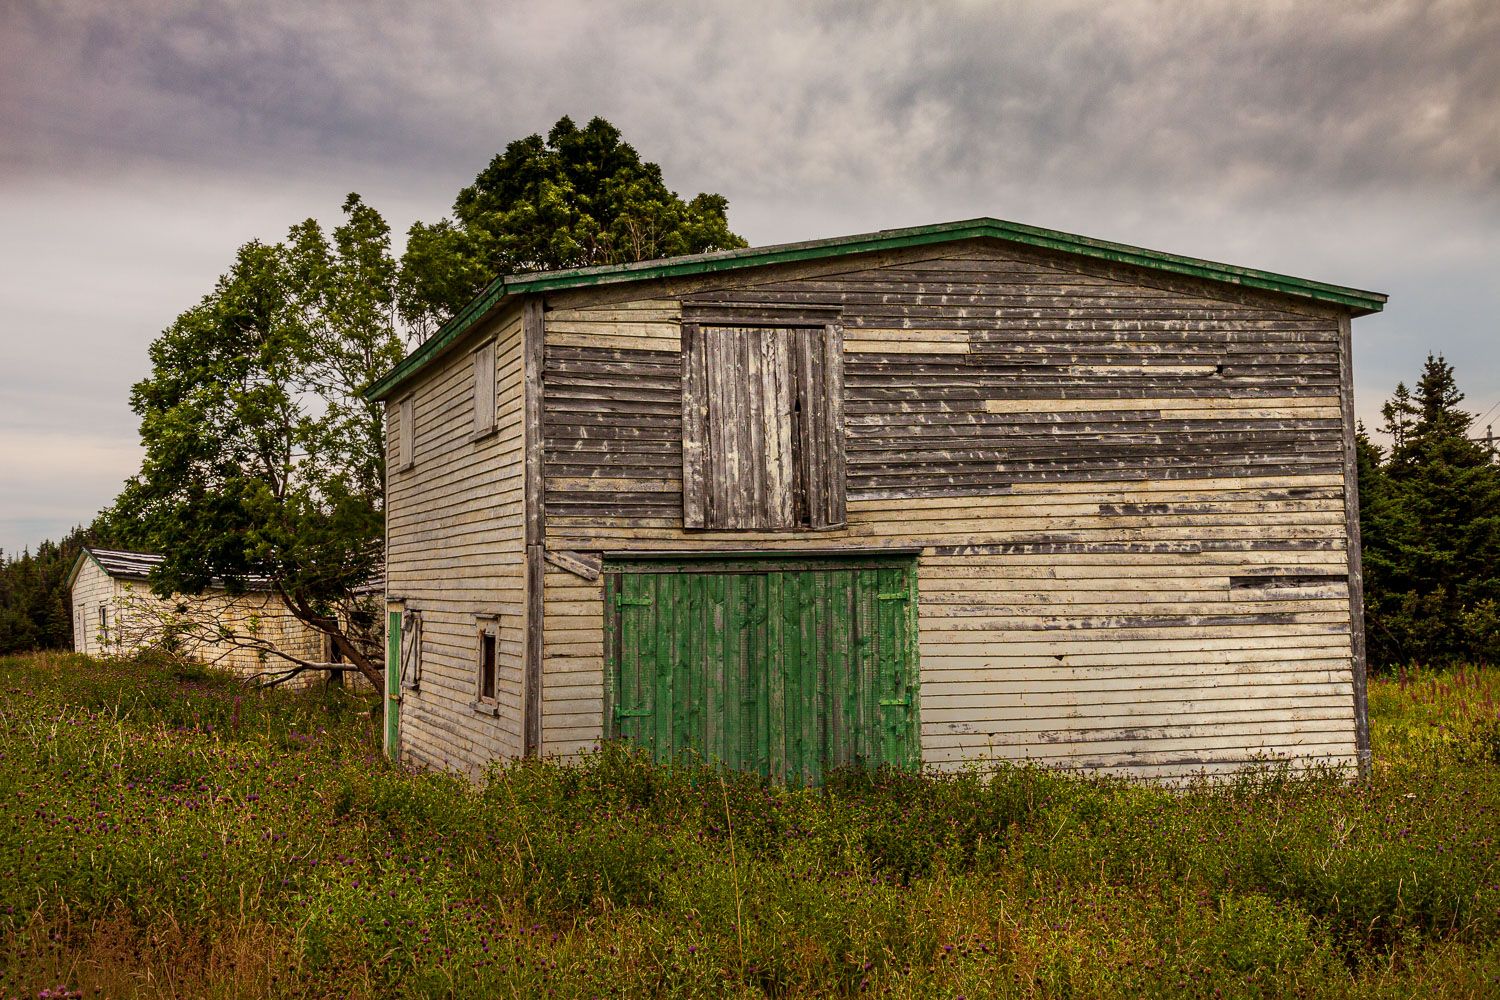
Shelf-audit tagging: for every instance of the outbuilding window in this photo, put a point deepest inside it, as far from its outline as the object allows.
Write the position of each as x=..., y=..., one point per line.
x=104, y=624
x=762, y=418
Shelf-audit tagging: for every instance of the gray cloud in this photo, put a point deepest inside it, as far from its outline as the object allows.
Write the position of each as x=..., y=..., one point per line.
x=140, y=143
x=1235, y=99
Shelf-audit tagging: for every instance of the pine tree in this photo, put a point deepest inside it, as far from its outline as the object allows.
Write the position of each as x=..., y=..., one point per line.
x=1400, y=414
x=1430, y=520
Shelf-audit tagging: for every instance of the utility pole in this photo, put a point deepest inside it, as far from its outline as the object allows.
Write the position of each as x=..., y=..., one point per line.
x=1489, y=440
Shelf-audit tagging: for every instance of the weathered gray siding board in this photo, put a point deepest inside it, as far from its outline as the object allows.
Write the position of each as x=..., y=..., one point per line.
x=1082, y=509
x=573, y=694
x=1356, y=569
x=923, y=420
x=455, y=550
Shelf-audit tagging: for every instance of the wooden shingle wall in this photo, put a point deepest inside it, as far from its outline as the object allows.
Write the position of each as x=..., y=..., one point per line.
x=1128, y=490
x=454, y=551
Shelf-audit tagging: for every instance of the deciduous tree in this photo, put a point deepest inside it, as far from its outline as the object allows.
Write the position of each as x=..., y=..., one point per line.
x=263, y=459
x=581, y=197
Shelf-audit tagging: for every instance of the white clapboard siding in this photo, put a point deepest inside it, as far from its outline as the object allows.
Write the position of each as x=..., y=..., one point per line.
x=454, y=552
x=91, y=588
x=136, y=617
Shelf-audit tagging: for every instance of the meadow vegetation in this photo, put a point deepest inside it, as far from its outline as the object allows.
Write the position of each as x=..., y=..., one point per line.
x=170, y=833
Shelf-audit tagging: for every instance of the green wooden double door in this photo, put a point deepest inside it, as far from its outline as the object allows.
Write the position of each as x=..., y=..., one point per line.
x=782, y=667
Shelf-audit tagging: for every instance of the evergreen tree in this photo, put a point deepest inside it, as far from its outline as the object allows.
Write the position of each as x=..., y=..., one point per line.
x=35, y=606
x=1399, y=413
x=1430, y=520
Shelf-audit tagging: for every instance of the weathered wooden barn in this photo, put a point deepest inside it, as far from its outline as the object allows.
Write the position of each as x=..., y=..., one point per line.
x=116, y=614
x=957, y=493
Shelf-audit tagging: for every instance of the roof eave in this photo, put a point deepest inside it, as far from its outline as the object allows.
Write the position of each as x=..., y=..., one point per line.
x=83, y=554
x=1358, y=301
x=493, y=297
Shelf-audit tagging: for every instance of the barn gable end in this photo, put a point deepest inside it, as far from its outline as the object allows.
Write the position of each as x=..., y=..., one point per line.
x=1123, y=488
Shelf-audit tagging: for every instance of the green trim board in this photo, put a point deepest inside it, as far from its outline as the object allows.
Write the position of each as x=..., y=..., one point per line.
x=83, y=553
x=390, y=711
x=1358, y=301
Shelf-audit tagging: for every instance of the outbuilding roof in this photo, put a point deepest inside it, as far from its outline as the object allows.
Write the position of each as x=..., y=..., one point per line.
x=1359, y=302
x=123, y=565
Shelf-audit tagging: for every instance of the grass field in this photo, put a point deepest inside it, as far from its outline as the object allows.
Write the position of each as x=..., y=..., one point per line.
x=169, y=834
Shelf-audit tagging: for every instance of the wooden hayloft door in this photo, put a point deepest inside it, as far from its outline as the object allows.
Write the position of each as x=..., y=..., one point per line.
x=762, y=427
x=784, y=668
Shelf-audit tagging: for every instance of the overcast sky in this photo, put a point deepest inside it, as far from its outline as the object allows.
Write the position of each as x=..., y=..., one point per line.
x=141, y=142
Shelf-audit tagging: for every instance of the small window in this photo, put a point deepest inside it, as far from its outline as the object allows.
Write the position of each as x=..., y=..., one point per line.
x=489, y=640
x=104, y=623
x=484, y=389
x=411, y=650
x=406, y=455
x=762, y=426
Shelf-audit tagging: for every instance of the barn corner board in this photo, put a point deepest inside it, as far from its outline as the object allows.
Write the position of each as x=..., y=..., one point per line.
x=974, y=492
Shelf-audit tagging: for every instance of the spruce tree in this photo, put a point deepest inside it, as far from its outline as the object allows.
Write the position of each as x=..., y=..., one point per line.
x=1430, y=517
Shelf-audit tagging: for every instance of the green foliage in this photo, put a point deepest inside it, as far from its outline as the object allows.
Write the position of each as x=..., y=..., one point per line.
x=582, y=197
x=263, y=459
x=166, y=822
x=1430, y=526
x=34, y=602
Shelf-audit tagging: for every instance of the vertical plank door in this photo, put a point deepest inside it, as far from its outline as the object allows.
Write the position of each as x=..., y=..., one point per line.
x=780, y=667
x=390, y=713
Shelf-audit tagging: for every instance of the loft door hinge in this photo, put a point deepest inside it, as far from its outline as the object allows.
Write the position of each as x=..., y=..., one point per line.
x=622, y=601
x=900, y=595
x=631, y=713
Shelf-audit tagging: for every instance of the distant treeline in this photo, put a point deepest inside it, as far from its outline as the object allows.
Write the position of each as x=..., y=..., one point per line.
x=35, y=609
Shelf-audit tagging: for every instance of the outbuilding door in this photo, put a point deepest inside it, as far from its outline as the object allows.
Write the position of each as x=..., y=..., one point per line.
x=782, y=667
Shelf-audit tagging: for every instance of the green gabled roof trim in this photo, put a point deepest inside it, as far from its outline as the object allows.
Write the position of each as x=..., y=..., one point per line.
x=83, y=553
x=1359, y=301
